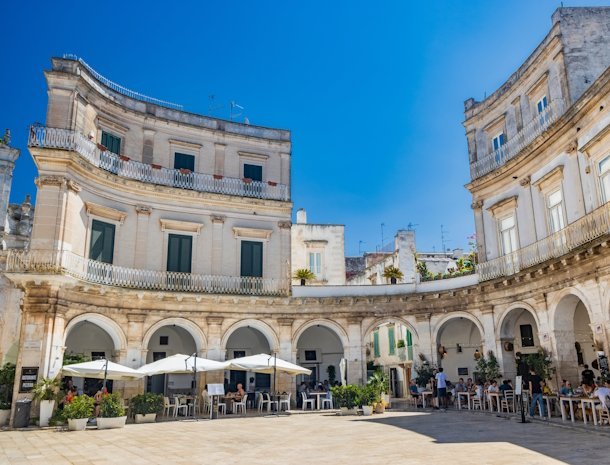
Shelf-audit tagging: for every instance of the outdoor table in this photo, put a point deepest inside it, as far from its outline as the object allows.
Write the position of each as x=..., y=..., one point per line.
x=571, y=401
x=591, y=401
x=459, y=399
x=490, y=396
x=318, y=394
x=423, y=397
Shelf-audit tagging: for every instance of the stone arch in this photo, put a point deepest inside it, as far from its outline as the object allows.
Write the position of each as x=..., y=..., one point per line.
x=391, y=319
x=504, y=318
x=110, y=326
x=264, y=328
x=563, y=306
x=192, y=328
x=330, y=324
x=439, y=324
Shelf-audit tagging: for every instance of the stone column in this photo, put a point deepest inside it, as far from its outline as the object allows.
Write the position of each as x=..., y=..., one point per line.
x=217, y=229
x=425, y=342
x=355, y=352
x=285, y=268
x=135, y=355
x=488, y=338
x=215, y=352
x=8, y=156
x=477, y=207
x=562, y=342
x=286, y=383
x=141, y=252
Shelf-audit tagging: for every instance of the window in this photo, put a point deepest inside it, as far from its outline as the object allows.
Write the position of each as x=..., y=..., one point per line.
x=163, y=340
x=98, y=355
x=498, y=141
x=527, y=335
x=508, y=234
x=604, y=177
x=311, y=356
x=555, y=205
x=184, y=161
x=376, y=344
x=111, y=142
x=315, y=263
x=179, y=249
x=542, y=105
x=101, y=248
x=391, y=341
x=252, y=258
x=254, y=172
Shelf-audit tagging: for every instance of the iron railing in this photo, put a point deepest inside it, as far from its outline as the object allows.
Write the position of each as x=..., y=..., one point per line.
x=513, y=146
x=41, y=136
x=84, y=269
x=594, y=225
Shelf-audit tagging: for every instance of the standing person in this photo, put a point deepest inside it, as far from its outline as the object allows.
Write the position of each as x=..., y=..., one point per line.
x=441, y=389
x=587, y=376
x=535, y=386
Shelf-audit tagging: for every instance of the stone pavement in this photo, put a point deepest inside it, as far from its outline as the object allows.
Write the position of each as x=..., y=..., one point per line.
x=401, y=437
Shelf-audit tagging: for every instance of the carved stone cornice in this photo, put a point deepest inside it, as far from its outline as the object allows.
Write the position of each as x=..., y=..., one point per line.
x=476, y=205
x=218, y=219
x=136, y=317
x=284, y=224
x=51, y=180
x=214, y=320
x=285, y=321
x=143, y=209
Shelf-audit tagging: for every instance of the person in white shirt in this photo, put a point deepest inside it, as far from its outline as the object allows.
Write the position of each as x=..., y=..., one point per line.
x=441, y=389
x=603, y=393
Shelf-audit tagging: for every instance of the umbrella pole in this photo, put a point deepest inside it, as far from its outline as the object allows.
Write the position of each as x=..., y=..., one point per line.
x=194, y=385
x=277, y=408
x=105, y=372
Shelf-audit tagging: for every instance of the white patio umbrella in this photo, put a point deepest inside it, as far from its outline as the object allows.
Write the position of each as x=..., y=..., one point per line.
x=265, y=363
x=101, y=369
x=180, y=364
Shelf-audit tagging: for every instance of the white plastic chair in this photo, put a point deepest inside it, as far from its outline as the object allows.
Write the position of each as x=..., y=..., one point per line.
x=285, y=401
x=306, y=401
x=240, y=405
x=222, y=407
x=206, y=403
x=167, y=406
x=270, y=403
x=262, y=402
x=328, y=401
x=179, y=405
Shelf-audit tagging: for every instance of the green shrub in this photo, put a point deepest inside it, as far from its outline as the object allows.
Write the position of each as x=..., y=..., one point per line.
x=111, y=406
x=7, y=381
x=80, y=407
x=144, y=404
x=346, y=396
x=368, y=395
x=380, y=382
x=47, y=389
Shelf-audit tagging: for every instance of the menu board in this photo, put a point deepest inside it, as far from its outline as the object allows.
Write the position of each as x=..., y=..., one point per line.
x=216, y=389
x=28, y=378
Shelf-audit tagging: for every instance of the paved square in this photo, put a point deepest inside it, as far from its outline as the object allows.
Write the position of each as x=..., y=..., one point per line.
x=400, y=437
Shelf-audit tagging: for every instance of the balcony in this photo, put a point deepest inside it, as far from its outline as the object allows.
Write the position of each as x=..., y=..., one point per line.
x=65, y=139
x=592, y=226
x=70, y=264
x=513, y=147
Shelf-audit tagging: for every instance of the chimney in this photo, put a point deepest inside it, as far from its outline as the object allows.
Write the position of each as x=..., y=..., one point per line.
x=301, y=216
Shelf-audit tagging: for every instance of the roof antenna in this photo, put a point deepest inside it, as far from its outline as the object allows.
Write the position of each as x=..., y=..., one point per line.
x=236, y=114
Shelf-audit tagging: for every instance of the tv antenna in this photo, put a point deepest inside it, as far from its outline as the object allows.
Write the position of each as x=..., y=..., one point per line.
x=444, y=240
x=235, y=111
x=382, y=243
x=360, y=247
x=411, y=226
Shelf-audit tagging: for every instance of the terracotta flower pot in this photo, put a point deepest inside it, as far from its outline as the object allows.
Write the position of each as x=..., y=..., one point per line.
x=247, y=180
x=124, y=158
x=102, y=147
x=272, y=183
x=155, y=167
x=218, y=176
x=185, y=171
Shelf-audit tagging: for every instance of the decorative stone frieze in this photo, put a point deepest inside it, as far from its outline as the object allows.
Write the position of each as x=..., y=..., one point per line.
x=143, y=209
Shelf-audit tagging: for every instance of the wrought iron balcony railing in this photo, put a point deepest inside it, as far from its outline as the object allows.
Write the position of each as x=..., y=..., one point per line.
x=592, y=226
x=513, y=146
x=66, y=139
x=68, y=263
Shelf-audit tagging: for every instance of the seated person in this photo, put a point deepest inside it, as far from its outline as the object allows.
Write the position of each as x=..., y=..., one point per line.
x=240, y=390
x=460, y=386
x=506, y=386
x=493, y=387
x=251, y=385
x=587, y=389
x=546, y=390
x=603, y=393
x=566, y=388
x=414, y=391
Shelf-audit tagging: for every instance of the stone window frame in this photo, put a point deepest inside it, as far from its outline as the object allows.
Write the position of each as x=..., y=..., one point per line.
x=317, y=246
x=500, y=211
x=184, y=228
x=548, y=184
x=257, y=159
x=536, y=92
x=596, y=152
x=106, y=215
x=186, y=148
x=241, y=233
x=495, y=129
x=103, y=124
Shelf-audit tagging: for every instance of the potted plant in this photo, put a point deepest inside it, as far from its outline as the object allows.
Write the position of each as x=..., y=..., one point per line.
x=146, y=407
x=185, y=171
x=78, y=412
x=368, y=398
x=346, y=398
x=303, y=274
x=46, y=391
x=272, y=183
x=392, y=273
x=247, y=180
x=7, y=381
x=155, y=166
x=218, y=177
x=124, y=158
x=112, y=412
x=380, y=383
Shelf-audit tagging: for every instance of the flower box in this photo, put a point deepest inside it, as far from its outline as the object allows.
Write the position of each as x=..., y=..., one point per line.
x=145, y=418
x=155, y=166
x=272, y=183
x=108, y=423
x=124, y=158
x=185, y=171
x=247, y=180
x=218, y=176
x=102, y=147
x=77, y=424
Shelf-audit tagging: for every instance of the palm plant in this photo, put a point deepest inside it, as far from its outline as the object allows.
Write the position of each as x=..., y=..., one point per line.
x=303, y=274
x=392, y=273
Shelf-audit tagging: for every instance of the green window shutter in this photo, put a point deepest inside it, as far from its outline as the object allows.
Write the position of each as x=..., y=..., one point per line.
x=101, y=247
x=376, y=344
x=179, y=253
x=252, y=259
x=254, y=172
x=391, y=340
x=182, y=160
x=111, y=142
x=410, y=345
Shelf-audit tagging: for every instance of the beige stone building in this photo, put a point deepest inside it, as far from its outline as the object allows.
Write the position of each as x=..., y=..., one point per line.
x=158, y=231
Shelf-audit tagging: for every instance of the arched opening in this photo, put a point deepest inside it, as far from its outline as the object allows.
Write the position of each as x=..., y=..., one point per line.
x=243, y=342
x=389, y=347
x=85, y=341
x=459, y=340
x=518, y=337
x=164, y=342
x=320, y=349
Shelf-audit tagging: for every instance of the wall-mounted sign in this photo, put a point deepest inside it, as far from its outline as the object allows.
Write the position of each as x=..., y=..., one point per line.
x=28, y=378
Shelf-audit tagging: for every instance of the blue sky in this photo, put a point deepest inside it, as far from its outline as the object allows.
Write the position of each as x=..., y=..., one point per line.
x=373, y=92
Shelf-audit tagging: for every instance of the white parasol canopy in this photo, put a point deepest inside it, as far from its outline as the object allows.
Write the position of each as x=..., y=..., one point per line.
x=101, y=369
x=180, y=363
x=265, y=363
